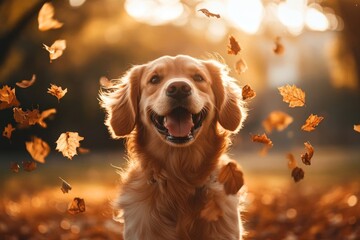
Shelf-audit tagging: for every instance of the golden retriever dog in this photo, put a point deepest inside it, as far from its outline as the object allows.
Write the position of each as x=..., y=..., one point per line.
x=177, y=115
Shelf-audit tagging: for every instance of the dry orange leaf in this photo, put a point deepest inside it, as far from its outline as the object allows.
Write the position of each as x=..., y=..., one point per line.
x=297, y=173
x=357, y=128
x=67, y=144
x=211, y=211
x=56, y=49
x=105, y=82
x=208, y=13
x=77, y=206
x=291, y=161
x=8, y=131
x=311, y=122
x=46, y=18
x=232, y=177
x=292, y=95
x=15, y=167
x=38, y=149
x=306, y=157
x=57, y=91
x=65, y=186
x=279, y=47
x=45, y=114
x=247, y=92
x=277, y=120
x=27, y=83
x=233, y=47
x=8, y=98
x=29, y=166
x=31, y=117
x=240, y=66
x=262, y=139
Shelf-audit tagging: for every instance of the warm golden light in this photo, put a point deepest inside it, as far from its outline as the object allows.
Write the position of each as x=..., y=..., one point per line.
x=316, y=20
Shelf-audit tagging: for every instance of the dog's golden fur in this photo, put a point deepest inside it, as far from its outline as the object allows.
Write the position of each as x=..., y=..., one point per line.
x=168, y=190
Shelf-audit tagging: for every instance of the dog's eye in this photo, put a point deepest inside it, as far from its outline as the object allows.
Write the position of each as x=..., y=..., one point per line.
x=198, y=78
x=155, y=79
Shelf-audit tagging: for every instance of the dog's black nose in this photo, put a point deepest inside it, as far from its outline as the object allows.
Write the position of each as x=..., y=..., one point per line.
x=178, y=90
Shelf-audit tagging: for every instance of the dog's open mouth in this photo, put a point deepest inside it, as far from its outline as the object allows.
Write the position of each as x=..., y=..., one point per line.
x=179, y=126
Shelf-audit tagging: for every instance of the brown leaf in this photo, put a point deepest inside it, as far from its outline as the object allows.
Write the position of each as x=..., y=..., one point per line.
x=8, y=131
x=26, y=83
x=211, y=211
x=57, y=91
x=291, y=161
x=8, y=98
x=67, y=144
x=292, y=95
x=232, y=177
x=45, y=114
x=357, y=128
x=46, y=18
x=311, y=122
x=31, y=117
x=297, y=173
x=65, y=187
x=15, y=167
x=247, y=92
x=279, y=47
x=29, y=166
x=262, y=139
x=77, y=206
x=38, y=149
x=306, y=157
x=233, y=47
x=56, y=49
x=240, y=66
x=208, y=13
x=105, y=82
x=277, y=120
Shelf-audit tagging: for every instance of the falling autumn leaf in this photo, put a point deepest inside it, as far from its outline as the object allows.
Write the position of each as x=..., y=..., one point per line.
x=233, y=47
x=26, y=83
x=208, y=13
x=8, y=131
x=262, y=139
x=357, y=128
x=56, y=49
x=8, y=98
x=77, y=206
x=65, y=186
x=57, y=91
x=292, y=95
x=32, y=117
x=46, y=18
x=38, y=149
x=247, y=92
x=291, y=161
x=240, y=66
x=311, y=122
x=67, y=144
x=83, y=150
x=105, y=82
x=279, y=47
x=29, y=166
x=45, y=114
x=277, y=120
x=231, y=177
x=15, y=167
x=306, y=157
x=297, y=173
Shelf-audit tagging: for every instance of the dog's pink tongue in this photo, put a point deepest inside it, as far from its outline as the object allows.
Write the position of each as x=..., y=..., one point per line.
x=179, y=123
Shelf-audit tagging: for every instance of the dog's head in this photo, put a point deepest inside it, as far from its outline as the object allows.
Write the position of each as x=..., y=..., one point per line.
x=178, y=98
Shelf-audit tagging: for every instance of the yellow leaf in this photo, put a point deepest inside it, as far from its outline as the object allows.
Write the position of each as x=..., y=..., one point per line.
x=57, y=91
x=292, y=95
x=311, y=122
x=46, y=18
x=67, y=144
x=56, y=49
x=38, y=149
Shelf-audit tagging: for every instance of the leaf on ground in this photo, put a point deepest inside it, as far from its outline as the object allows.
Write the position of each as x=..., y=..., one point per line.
x=26, y=83
x=233, y=47
x=29, y=166
x=46, y=18
x=311, y=123
x=15, y=167
x=306, y=157
x=67, y=144
x=291, y=161
x=8, y=98
x=292, y=95
x=279, y=47
x=57, y=91
x=77, y=206
x=357, y=128
x=105, y=82
x=38, y=149
x=277, y=120
x=231, y=177
x=211, y=211
x=65, y=186
x=262, y=139
x=56, y=49
x=248, y=92
x=8, y=131
x=208, y=13
x=297, y=173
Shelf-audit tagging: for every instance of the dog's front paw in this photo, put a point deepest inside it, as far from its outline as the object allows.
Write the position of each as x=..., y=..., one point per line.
x=211, y=211
x=231, y=177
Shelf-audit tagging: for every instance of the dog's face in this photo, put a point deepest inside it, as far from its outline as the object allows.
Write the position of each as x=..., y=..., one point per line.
x=175, y=98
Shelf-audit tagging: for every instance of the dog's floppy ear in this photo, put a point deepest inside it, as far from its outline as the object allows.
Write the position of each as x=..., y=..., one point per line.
x=120, y=102
x=231, y=112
